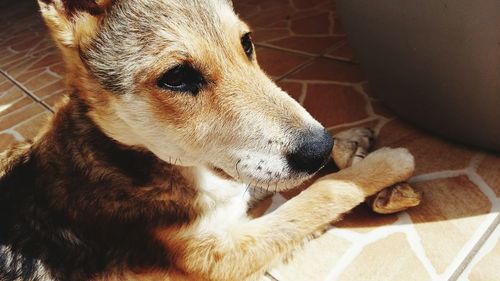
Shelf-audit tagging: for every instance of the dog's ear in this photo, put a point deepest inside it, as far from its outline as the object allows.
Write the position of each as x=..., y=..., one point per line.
x=72, y=22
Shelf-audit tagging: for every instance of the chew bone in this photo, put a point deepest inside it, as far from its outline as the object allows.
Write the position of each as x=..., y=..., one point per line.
x=350, y=147
x=395, y=199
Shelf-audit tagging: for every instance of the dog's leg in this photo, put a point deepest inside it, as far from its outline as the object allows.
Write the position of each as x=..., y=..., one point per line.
x=351, y=146
x=252, y=247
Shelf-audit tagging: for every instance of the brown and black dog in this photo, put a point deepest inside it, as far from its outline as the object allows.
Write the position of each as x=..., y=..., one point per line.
x=141, y=174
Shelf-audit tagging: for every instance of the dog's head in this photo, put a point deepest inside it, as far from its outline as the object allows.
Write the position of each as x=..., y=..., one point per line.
x=181, y=79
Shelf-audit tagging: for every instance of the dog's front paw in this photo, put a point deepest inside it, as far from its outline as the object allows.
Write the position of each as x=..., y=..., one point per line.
x=398, y=163
x=351, y=146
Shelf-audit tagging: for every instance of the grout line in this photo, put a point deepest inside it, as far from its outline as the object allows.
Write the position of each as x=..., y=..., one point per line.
x=311, y=55
x=351, y=124
x=265, y=45
x=25, y=90
x=338, y=59
x=479, y=244
x=414, y=240
x=270, y=277
x=296, y=69
x=23, y=122
x=17, y=136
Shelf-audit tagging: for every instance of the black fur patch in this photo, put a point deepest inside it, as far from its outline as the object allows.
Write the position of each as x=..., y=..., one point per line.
x=82, y=205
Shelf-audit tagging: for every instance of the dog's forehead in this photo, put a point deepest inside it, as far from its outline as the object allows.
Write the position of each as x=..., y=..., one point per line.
x=136, y=34
x=175, y=16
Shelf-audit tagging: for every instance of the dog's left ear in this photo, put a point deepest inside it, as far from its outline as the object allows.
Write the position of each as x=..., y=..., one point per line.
x=73, y=22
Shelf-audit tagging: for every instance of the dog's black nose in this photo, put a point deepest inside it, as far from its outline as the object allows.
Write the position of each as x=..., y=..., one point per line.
x=311, y=152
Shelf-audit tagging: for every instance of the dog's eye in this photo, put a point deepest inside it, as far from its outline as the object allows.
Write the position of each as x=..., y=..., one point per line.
x=246, y=42
x=182, y=78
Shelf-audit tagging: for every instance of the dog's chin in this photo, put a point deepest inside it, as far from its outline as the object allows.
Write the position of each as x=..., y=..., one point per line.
x=282, y=184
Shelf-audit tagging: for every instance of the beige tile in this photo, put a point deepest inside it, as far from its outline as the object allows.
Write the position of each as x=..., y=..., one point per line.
x=267, y=278
x=30, y=129
x=388, y=259
x=41, y=80
x=489, y=169
x=451, y=212
x=431, y=154
x=54, y=100
x=9, y=107
x=13, y=99
x=363, y=219
x=6, y=141
x=14, y=118
x=56, y=87
x=488, y=268
x=314, y=261
x=8, y=88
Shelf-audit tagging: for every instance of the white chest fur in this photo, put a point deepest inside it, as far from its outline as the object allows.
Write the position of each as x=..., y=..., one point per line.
x=225, y=203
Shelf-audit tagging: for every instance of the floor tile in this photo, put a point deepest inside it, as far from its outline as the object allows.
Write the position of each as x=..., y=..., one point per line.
x=381, y=110
x=30, y=129
x=305, y=44
x=362, y=219
x=277, y=63
x=6, y=140
x=309, y=28
x=59, y=86
x=488, y=268
x=334, y=104
x=485, y=264
x=330, y=70
x=296, y=90
x=21, y=115
x=451, y=212
x=53, y=100
x=42, y=79
x=431, y=154
x=489, y=170
x=342, y=52
x=12, y=98
x=304, y=41
x=314, y=261
x=388, y=259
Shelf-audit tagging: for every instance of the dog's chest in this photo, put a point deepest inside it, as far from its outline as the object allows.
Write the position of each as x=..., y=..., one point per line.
x=225, y=202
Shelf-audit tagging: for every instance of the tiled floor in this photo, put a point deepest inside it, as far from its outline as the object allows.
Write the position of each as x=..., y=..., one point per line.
x=453, y=235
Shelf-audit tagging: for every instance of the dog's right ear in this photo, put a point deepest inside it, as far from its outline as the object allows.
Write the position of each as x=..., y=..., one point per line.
x=73, y=22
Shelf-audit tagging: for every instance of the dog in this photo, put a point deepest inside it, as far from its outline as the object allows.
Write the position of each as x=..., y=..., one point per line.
x=142, y=172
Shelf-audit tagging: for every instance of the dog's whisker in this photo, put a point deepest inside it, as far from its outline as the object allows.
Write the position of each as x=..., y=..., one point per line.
x=237, y=171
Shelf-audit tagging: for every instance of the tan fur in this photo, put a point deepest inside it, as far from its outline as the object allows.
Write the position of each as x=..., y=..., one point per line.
x=240, y=125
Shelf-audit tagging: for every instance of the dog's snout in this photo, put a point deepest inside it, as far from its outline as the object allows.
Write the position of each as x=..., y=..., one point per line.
x=311, y=152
